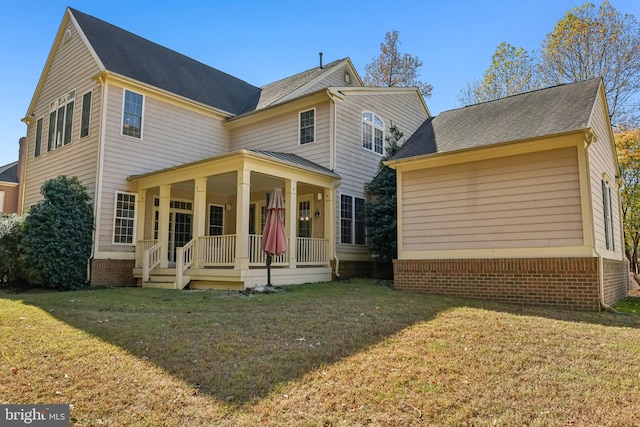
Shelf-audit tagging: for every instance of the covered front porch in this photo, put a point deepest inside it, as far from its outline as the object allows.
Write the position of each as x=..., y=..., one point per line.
x=201, y=224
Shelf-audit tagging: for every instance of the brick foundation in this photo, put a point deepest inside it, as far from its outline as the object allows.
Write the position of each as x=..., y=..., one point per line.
x=616, y=280
x=571, y=283
x=112, y=272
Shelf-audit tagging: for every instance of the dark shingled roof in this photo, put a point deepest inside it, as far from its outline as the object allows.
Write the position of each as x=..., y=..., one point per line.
x=275, y=91
x=132, y=56
x=296, y=160
x=540, y=113
x=9, y=173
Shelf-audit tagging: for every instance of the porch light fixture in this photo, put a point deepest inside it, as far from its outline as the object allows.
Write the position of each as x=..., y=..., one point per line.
x=317, y=213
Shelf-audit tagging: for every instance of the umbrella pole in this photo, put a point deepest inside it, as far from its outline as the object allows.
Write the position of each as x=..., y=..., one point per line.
x=268, y=270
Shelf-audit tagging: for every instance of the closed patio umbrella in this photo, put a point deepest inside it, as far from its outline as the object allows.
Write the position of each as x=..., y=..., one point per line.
x=274, y=240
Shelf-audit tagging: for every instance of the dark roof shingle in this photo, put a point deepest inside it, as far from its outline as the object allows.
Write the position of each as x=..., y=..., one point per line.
x=132, y=56
x=540, y=113
x=9, y=173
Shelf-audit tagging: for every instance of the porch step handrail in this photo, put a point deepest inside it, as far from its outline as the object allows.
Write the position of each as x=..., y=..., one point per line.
x=184, y=260
x=141, y=246
x=150, y=260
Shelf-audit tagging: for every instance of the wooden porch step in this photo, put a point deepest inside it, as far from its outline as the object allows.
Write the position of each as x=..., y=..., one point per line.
x=159, y=285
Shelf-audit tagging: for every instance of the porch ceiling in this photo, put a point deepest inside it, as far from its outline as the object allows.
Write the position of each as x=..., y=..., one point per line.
x=226, y=184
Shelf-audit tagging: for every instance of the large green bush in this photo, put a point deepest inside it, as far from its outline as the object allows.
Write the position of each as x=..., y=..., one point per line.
x=11, y=273
x=56, y=244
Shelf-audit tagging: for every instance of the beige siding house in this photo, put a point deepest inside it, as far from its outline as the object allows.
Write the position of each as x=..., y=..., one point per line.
x=180, y=159
x=514, y=200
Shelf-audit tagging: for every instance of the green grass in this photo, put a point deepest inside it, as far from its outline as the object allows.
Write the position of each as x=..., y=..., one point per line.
x=323, y=354
x=629, y=305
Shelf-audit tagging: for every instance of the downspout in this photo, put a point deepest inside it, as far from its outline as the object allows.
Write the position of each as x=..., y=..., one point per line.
x=603, y=304
x=99, y=169
x=332, y=165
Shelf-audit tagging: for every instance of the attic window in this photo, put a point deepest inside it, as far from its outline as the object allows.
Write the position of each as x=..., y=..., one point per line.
x=347, y=78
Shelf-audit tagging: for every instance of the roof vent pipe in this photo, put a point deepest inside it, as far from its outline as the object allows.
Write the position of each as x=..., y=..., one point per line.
x=321, y=60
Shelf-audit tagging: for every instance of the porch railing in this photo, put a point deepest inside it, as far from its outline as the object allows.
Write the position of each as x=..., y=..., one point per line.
x=257, y=255
x=184, y=260
x=220, y=251
x=217, y=251
x=311, y=251
x=150, y=260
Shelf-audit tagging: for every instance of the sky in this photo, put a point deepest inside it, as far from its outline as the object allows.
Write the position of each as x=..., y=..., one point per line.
x=263, y=41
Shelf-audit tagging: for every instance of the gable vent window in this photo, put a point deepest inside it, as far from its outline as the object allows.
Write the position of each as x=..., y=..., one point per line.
x=372, y=132
x=132, y=114
x=60, y=121
x=307, y=126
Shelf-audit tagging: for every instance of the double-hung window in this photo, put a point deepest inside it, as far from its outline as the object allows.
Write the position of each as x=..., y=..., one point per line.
x=216, y=220
x=132, y=114
x=307, y=126
x=372, y=132
x=61, y=121
x=124, y=218
x=38, y=144
x=608, y=217
x=86, y=114
x=352, y=229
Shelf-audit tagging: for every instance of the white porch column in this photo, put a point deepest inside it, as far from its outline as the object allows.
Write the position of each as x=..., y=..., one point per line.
x=243, y=194
x=199, y=214
x=291, y=220
x=141, y=204
x=330, y=221
x=163, y=224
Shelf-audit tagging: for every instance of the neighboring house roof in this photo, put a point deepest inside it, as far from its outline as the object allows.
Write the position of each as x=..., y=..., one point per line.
x=132, y=56
x=540, y=113
x=296, y=160
x=9, y=173
x=275, y=91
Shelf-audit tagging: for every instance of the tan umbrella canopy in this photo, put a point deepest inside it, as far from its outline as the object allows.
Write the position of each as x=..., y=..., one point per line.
x=274, y=239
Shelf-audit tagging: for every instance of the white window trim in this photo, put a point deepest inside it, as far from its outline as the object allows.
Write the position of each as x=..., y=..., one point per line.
x=373, y=135
x=315, y=125
x=223, y=207
x=135, y=219
x=144, y=102
x=2, y=199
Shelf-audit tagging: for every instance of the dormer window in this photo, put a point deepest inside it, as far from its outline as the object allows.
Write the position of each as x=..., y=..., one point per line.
x=372, y=132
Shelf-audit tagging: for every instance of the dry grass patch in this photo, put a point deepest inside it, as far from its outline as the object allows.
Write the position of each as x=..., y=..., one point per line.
x=324, y=354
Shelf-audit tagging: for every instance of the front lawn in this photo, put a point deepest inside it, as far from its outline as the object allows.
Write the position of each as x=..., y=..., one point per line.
x=332, y=354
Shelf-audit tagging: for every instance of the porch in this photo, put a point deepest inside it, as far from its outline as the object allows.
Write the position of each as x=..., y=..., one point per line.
x=205, y=231
x=208, y=262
